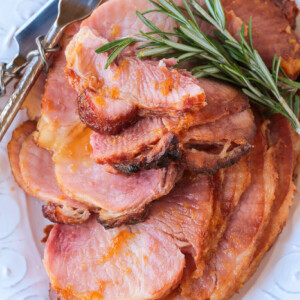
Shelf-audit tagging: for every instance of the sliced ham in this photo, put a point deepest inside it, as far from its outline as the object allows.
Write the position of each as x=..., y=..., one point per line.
x=185, y=214
x=33, y=170
x=35, y=161
x=247, y=225
x=80, y=178
x=223, y=227
x=59, y=107
x=121, y=20
x=14, y=147
x=272, y=29
x=155, y=142
x=149, y=255
x=150, y=142
x=118, y=196
x=271, y=34
x=152, y=87
x=235, y=127
x=145, y=145
x=230, y=183
x=89, y=262
x=222, y=99
x=282, y=142
x=210, y=147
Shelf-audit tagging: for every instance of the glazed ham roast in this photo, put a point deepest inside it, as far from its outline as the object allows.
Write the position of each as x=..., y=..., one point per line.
x=162, y=186
x=170, y=102
x=157, y=158
x=200, y=206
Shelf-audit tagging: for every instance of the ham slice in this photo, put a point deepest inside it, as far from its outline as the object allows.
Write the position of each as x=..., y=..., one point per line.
x=230, y=184
x=33, y=170
x=272, y=23
x=176, y=225
x=121, y=20
x=35, y=161
x=272, y=33
x=210, y=147
x=59, y=114
x=222, y=227
x=222, y=100
x=14, y=148
x=120, y=197
x=185, y=214
x=111, y=264
x=150, y=88
x=147, y=144
x=155, y=142
x=246, y=227
x=282, y=141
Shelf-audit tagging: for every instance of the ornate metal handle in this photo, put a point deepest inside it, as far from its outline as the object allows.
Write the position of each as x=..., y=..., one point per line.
x=13, y=69
x=38, y=61
x=7, y=72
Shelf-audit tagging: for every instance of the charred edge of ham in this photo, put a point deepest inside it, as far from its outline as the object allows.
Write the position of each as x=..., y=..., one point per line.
x=109, y=221
x=64, y=214
x=160, y=156
x=213, y=165
x=90, y=115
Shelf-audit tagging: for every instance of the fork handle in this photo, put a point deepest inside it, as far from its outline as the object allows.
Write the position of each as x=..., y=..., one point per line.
x=31, y=74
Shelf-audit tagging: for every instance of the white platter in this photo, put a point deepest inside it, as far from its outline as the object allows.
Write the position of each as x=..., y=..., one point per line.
x=22, y=276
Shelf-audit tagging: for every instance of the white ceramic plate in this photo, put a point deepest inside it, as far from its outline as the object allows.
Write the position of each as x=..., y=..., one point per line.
x=22, y=276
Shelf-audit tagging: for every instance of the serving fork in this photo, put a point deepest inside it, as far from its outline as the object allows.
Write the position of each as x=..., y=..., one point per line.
x=69, y=11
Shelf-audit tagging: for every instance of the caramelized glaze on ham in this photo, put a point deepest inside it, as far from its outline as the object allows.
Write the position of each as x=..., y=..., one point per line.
x=282, y=141
x=155, y=142
x=33, y=170
x=223, y=228
x=118, y=196
x=176, y=224
x=151, y=86
x=78, y=176
x=254, y=224
x=272, y=33
x=111, y=264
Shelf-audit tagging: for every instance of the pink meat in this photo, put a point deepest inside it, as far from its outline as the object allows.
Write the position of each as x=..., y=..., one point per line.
x=142, y=261
x=89, y=262
x=80, y=178
x=152, y=87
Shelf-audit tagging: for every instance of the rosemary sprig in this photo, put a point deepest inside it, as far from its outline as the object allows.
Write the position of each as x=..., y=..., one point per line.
x=222, y=56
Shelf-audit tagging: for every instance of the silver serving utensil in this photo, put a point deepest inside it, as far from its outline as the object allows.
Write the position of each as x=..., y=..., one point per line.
x=25, y=36
x=69, y=12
